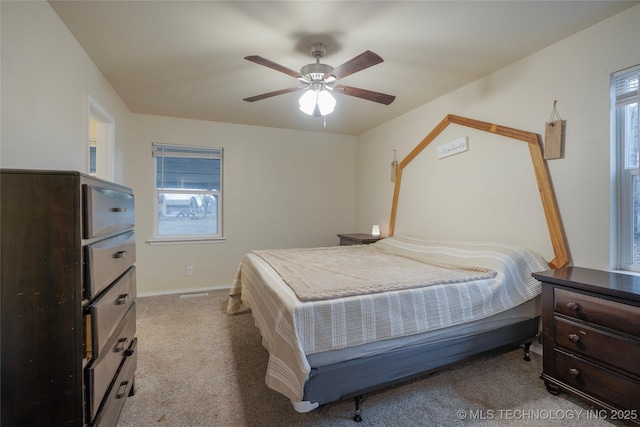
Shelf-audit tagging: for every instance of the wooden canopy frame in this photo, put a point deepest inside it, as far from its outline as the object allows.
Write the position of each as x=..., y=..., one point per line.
x=549, y=203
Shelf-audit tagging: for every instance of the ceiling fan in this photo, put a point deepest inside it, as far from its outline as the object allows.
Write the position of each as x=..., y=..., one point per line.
x=318, y=80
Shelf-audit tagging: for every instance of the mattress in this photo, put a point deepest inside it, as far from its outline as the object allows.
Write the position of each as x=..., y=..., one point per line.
x=294, y=331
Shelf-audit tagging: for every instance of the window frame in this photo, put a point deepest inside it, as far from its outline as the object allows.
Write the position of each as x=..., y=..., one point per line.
x=624, y=174
x=195, y=152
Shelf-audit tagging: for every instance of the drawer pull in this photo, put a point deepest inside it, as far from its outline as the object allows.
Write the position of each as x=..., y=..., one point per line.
x=122, y=299
x=118, y=209
x=120, y=254
x=574, y=338
x=120, y=345
x=574, y=372
x=573, y=306
x=122, y=390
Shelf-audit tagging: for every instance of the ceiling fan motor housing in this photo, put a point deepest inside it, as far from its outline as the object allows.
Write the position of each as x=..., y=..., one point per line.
x=315, y=71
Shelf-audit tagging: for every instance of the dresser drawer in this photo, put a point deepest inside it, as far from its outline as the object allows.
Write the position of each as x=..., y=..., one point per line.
x=107, y=311
x=123, y=385
x=101, y=373
x=106, y=211
x=107, y=259
x=597, y=381
x=599, y=345
x=610, y=314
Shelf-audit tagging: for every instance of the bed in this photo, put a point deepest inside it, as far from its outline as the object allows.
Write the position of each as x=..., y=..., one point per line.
x=393, y=310
x=399, y=308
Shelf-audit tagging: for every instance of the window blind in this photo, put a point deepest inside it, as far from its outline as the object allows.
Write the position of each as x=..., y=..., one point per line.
x=626, y=86
x=185, y=151
x=187, y=167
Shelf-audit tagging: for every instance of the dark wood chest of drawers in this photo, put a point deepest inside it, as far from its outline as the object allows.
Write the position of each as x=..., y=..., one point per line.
x=68, y=299
x=357, y=239
x=591, y=337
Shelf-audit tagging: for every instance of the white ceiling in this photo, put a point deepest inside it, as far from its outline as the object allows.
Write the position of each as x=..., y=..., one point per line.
x=185, y=58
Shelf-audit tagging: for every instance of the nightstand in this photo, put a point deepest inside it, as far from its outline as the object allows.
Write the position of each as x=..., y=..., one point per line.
x=591, y=337
x=358, y=239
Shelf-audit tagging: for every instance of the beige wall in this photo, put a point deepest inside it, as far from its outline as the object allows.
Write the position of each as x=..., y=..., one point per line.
x=46, y=82
x=576, y=73
x=282, y=188
x=47, y=79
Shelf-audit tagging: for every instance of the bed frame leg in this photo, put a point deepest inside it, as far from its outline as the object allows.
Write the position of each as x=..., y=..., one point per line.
x=357, y=417
x=527, y=346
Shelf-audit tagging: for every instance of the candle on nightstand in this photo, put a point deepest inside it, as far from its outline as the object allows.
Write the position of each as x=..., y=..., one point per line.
x=375, y=231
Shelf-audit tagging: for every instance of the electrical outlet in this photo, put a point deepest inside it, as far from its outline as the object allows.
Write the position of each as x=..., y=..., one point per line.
x=189, y=270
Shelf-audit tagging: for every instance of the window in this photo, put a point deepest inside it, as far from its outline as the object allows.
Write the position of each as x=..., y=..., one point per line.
x=188, y=192
x=625, y=98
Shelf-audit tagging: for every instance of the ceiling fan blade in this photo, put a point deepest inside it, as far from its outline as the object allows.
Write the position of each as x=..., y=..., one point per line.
x=369, y=95
x=262, y=61
x=270, y=94
x=360, y=62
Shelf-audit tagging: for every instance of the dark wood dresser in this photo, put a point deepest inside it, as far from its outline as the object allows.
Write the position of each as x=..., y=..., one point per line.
x=591, y=338
x=358, y=239
x=68, y=299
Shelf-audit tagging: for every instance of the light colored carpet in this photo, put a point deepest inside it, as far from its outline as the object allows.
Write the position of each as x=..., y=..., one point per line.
x=199, y=367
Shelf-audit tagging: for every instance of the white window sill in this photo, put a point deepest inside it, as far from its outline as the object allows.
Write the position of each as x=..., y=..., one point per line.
x=630, y=272
x=184, y=240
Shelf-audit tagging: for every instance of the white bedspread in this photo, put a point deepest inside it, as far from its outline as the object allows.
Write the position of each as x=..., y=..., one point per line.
x=341, y=271
x=292, y=329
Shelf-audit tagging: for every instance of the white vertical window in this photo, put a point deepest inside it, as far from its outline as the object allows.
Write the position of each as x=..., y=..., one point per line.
x=625, y=98
x=188, y=192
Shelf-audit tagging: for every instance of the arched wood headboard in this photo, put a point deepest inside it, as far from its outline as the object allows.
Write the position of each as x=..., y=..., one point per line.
x=534, y=141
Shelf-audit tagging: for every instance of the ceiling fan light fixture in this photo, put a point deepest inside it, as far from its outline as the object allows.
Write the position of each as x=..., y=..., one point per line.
x=326, y=102
x=308, y=101
x=320, y=99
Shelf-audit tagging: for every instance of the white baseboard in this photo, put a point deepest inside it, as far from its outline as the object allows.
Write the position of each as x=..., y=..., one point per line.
x=182, y=291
